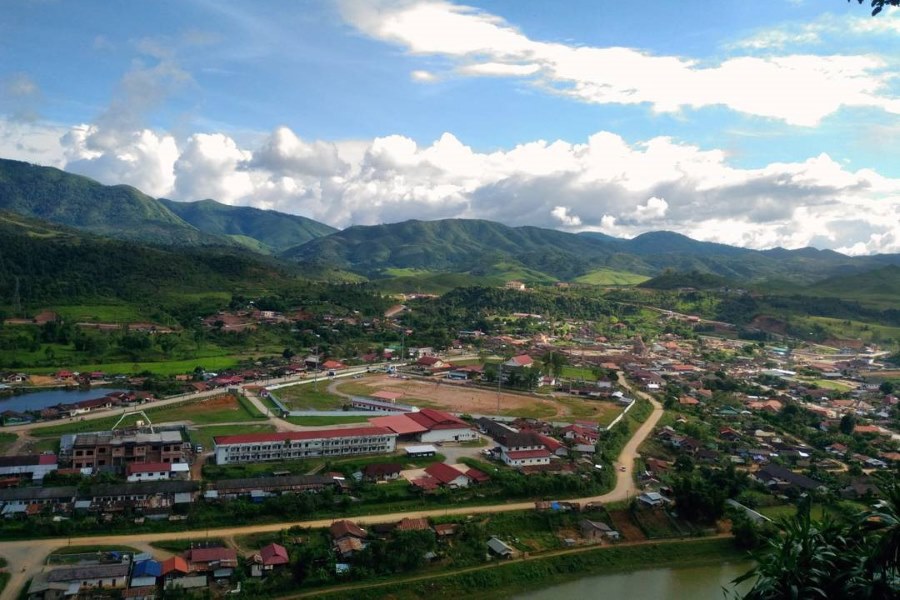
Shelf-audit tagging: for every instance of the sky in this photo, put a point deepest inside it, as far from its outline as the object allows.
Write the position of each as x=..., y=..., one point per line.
x=757, y=124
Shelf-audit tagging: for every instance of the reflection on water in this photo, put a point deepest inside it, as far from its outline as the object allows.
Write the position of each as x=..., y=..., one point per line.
x=710, y=581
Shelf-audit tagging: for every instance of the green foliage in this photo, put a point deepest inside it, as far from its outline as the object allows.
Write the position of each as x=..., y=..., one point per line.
x=273, y=231
x=117, y=211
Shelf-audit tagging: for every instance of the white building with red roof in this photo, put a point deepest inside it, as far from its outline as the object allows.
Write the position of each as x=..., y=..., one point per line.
x=294, y=445
x=428, y=426
x=522, y=361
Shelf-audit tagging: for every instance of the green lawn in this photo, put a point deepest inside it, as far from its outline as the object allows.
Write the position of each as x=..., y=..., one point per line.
x=355, y=388
x=537, y=411
x=307, y=397
x=600, y=411
x=6, y=440
x=611, y=277
x=166, y=367
x=199, y=412
x=570, y=372
x=101, y=313
x=205, y=435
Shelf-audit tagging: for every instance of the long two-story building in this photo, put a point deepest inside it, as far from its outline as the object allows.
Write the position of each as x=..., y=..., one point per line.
x=293, y=445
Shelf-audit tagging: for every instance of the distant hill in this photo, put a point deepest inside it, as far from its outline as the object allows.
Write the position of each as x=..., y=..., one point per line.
x=882, y=284
x=671, y=280
x=456, y=245
x=53, y=264
x=478, y=247
x=272, y=231
x=118, y=211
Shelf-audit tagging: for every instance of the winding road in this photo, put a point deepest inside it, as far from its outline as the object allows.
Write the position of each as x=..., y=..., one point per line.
x=27, y=557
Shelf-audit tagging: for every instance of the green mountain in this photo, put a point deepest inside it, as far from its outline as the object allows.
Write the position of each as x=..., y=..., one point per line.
x=118, y=211
x=43, y=263
x=879, y=285
x=481, y=248
x=455, y=245
x=265, y=231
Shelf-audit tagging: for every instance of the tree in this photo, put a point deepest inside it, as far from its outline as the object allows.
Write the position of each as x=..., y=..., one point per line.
x=886, y=387
x=831, y=559
x=848, y=424
x=878, y=5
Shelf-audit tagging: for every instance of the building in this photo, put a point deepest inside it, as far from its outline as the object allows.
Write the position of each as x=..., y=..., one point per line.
x=156, y=471
x=521, y=449
x=34, y=466
x=78, y=578
x=114, y=449
x=205, y=560
x=292, y=445
x=428, y=426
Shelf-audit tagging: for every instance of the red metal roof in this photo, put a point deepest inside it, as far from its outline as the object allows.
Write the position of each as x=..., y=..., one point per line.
x=443, y=472
x=206, y=555
x=399, y=424
x=520, y=454
x=274, y=554
x=251, y=438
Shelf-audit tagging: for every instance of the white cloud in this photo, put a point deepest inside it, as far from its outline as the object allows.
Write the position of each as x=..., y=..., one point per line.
x=209, y=168
x=561, y=214
x=797, y=89
x=654, y=210
x=423, y=76
x=602, y=183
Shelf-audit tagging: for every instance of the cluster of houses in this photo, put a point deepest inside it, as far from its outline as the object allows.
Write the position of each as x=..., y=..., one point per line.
x=142, y=577
x=68, y=410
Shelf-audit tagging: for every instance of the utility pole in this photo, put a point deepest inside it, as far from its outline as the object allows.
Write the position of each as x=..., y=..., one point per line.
x=499, y=381
x=316, y=372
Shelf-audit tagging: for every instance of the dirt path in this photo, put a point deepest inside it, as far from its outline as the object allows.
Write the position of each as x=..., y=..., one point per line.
x=26, y=557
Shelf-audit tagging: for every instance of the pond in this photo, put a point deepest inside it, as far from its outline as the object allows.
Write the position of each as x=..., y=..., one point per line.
x=43, y=399
x=680, y=582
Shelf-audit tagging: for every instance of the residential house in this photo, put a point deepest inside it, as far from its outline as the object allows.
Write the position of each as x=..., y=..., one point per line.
x=597, y=530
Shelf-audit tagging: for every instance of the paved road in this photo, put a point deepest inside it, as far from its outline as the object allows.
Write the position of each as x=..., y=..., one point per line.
x=26, y=557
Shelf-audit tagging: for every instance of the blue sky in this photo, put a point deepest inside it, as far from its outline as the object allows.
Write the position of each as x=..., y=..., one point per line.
x=755, y=123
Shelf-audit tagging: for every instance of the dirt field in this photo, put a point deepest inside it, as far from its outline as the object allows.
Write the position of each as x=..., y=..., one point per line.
x=621, y=522
x=465, y=398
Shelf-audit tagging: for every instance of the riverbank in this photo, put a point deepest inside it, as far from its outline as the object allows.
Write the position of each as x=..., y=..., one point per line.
x=508, y=578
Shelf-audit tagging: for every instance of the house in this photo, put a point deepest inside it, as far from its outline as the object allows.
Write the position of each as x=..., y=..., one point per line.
x=348, y=538
x=653, y=499
x=206, y=560
x=500, y=548
x=596, y=530
x=346, y=529
x=156, y=471
x=522, y=361
x=382, y=471
x=35, y=466
x=447, y=475
x=776, y=476
x=408, y=524
x=431, y=362
x=173, y=568
x=273, y=555
x=89, y=576
x=145, y=573
x=441, y=426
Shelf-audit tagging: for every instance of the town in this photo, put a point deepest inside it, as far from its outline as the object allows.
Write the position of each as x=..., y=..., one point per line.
x=510, y=441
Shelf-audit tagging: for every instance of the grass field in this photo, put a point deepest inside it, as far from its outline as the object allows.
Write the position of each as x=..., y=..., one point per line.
x=205, y=435
x=101, y=313
x=218, y=409
x=611, y=277
x=858, y=330
x=6, y=440
x=570, y=372
x=600, y=411
x=306, y=397
x=828, y=384
x=323, y=421
x=166, y=367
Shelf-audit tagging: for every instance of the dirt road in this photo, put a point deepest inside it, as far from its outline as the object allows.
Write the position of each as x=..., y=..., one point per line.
x=26, y=557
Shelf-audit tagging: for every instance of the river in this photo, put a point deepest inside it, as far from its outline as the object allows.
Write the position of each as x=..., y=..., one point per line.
x=668, y=583
x=39, y=400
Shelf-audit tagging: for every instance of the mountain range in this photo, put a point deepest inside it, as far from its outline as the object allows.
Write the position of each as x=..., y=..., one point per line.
x=478, y=250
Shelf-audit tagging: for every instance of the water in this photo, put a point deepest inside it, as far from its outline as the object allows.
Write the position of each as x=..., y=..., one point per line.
x=675, y=583
x=39, y=400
